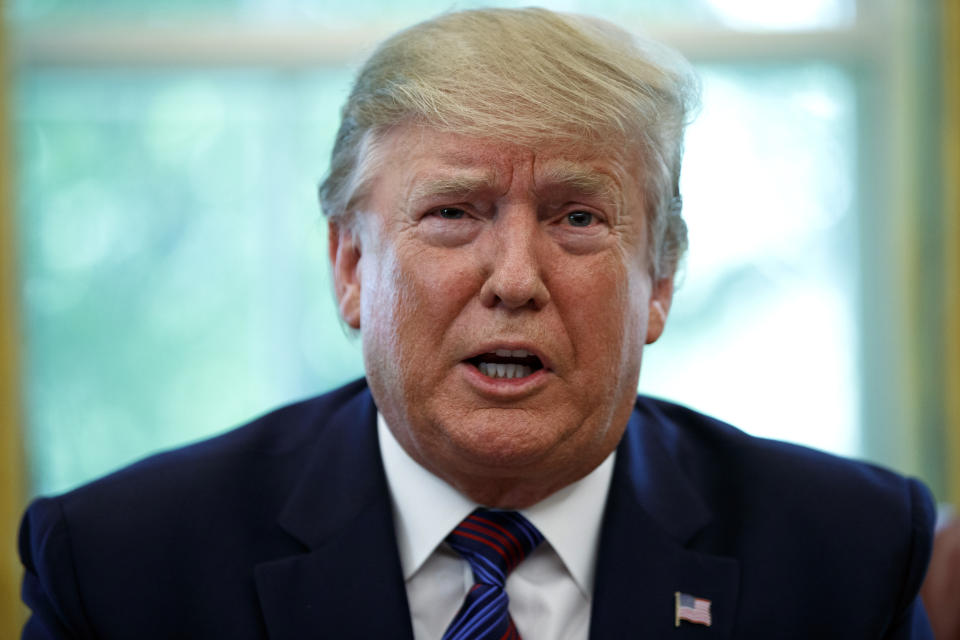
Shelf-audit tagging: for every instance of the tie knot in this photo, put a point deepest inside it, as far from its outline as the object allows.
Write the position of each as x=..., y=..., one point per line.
x=494, y=543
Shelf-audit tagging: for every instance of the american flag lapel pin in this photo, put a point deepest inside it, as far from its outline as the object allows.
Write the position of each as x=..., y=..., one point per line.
x=691, y=609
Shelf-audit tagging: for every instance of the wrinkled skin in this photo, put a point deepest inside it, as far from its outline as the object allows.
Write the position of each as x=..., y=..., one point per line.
x=466, y=245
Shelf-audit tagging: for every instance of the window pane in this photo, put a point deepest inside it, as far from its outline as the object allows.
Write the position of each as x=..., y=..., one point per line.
x=763, y=328
x=175, y=279
x=174, y=273
x=738, y=14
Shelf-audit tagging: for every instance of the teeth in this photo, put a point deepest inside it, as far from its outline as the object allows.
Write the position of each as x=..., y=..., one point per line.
x=497, y=370
x=514, y=353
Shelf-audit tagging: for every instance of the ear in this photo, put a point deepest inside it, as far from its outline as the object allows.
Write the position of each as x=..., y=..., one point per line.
x=659, y=307
x=344, y=247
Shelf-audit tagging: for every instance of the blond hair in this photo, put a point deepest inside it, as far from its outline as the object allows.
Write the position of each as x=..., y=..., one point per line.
x=528, y=77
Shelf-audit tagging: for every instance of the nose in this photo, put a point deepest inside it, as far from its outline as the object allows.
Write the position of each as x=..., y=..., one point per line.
x=515, y=265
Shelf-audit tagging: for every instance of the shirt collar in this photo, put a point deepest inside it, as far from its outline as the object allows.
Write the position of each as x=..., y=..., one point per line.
x=426, y=509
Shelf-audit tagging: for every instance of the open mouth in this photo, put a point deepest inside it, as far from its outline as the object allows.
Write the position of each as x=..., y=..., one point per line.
x=507, y=363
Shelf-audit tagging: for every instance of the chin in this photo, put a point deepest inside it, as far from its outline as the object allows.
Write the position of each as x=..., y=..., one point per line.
x=504, y=439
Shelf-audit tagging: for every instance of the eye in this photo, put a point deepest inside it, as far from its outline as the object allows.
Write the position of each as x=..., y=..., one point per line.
x=451, y=213
x=580, y=218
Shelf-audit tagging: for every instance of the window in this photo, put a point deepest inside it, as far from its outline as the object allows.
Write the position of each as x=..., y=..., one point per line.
x=173, y=268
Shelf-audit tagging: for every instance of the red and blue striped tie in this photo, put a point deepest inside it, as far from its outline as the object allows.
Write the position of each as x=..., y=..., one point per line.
x=494, y=543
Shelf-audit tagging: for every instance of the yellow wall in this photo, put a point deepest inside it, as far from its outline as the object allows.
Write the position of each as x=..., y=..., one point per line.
x=950, y=64
x=11, y=455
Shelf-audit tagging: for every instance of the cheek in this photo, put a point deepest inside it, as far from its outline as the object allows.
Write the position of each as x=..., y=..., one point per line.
x=607, y=316
x=437, y=284
x=599, y=292
x=415, y=296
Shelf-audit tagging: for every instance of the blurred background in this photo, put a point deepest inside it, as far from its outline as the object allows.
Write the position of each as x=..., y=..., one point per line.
x=163, y=255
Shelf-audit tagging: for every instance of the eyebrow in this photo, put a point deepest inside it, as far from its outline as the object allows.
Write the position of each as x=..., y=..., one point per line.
x=580, y=179
x=457, y=185
x=572, y=177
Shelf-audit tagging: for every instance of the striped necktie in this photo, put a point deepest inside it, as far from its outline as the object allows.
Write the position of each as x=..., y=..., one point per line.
x=494, y=543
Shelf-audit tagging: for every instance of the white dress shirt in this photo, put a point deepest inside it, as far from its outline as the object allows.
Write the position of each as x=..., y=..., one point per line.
x=550, y=592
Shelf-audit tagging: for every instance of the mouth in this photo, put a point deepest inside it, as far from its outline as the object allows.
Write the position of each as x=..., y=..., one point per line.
x=507, y=363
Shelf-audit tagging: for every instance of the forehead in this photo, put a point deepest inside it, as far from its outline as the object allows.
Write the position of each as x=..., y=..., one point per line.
x=421, y=158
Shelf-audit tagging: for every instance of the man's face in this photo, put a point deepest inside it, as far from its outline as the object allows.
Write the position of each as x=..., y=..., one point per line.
x=504, y=298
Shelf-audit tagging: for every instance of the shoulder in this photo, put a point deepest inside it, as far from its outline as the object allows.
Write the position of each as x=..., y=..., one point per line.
x=804, y=525
x=186, y=525
x=724, y=461
x=242, y=477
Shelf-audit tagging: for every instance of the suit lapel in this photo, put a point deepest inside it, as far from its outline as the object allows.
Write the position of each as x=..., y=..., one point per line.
x=348, y=582
x=653, y=512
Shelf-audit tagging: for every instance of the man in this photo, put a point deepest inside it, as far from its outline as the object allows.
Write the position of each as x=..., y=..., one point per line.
x=504, y=231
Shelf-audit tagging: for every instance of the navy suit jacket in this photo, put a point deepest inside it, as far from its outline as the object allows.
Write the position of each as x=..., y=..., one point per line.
x=283, y=529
